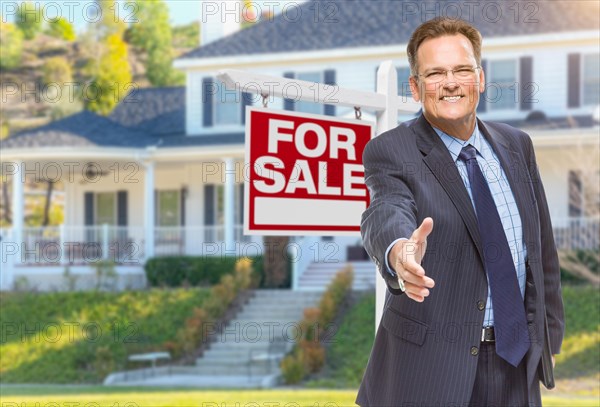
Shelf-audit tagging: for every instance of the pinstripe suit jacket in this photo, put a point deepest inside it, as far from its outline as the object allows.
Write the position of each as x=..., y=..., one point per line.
x=423, y=352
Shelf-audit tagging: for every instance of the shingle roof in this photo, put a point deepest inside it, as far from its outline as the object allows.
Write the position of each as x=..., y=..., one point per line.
x=87, y=129
x=153, y=110
x=146, y=117
x=334, y=24
x=83, y=129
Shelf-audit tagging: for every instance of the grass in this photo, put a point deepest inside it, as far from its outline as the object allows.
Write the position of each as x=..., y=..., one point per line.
x=79, y=337
x=577, y=367
x=26, y=396
x=580, y=353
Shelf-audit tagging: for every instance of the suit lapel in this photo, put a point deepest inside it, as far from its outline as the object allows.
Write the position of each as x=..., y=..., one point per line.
x=440, y=163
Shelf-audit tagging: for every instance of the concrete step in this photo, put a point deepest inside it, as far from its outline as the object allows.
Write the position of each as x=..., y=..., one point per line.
x=244, y=345
x=240, y=370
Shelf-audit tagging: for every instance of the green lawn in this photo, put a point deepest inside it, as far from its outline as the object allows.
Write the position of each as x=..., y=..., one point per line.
x=79, y=337
x=138, y=397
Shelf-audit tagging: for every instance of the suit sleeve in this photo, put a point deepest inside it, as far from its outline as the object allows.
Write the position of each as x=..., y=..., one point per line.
x=392, y=212
x=549, y=259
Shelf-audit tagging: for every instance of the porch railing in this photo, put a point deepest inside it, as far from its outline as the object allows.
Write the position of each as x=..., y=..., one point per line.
x=125, y=245
x=121, y=244
x=576, y=233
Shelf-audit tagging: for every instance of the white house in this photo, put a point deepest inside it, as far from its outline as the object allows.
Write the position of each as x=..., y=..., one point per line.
x=163, y=173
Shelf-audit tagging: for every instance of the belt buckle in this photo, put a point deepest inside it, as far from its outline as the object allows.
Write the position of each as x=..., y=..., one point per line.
x=484, y=337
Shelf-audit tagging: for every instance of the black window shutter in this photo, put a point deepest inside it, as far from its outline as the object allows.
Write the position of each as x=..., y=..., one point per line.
x=88, y=212
x=122, y=208
x=208, y=89
x=526, y=78
x=330, y=80
x=246, y=101
x=574, y=80
x=182, y=194
x=481, y=107
x=209, y=205
x=288, y=104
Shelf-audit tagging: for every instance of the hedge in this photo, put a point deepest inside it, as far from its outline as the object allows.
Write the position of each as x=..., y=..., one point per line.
x=177, y=271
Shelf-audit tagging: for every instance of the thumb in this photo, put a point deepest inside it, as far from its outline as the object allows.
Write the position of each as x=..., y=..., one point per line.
x=420, y=234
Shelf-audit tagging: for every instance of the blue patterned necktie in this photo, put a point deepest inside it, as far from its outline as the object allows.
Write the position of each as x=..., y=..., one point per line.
x=510, y=323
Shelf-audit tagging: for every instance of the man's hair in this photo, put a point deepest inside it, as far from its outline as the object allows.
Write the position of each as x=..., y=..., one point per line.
x=439, y=27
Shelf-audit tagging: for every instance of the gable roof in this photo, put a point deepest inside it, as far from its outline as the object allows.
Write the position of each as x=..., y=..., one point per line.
x=153, y=110
x=146, y=117
x=364, y=23
x=83, y=129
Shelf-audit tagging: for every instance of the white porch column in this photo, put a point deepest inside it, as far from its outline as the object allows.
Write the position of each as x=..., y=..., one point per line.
x=387, y=84
x=18, y=206
x=229, y=204
x=149, y=210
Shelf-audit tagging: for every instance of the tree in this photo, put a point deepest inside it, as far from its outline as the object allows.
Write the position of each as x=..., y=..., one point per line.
x=11, y=46
x=29, y=19
x=61, y=28
x=112, y=78
x=186, y=36
x=57, y=71
x=110, y=21
x=153, y=34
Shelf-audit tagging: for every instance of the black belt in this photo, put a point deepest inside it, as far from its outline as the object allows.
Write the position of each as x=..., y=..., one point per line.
x=487, y=334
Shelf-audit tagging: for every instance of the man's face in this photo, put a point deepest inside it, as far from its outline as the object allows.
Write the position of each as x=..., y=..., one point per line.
x=448, y=100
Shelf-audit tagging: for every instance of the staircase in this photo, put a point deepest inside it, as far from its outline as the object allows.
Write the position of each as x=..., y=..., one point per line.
x=318, y=276
x=268, y=316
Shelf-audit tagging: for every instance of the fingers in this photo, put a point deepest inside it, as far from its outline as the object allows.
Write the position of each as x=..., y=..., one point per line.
x=420, y=234
x=416, y=283
x=415, y=291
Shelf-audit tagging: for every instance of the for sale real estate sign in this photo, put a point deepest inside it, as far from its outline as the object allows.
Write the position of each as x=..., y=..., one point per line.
x=305, y=173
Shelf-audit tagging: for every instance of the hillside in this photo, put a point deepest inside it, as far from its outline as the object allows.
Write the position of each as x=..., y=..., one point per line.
x=27, y=102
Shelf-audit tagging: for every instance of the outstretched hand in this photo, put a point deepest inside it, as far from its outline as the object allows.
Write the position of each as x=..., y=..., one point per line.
x=406, y=256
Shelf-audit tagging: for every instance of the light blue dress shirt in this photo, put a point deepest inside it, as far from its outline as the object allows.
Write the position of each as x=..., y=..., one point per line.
x=503, y=197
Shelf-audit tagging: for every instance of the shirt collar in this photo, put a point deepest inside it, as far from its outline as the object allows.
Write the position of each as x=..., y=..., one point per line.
x=455, y=145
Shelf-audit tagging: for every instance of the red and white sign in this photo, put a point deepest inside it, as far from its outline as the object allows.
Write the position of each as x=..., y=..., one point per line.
x=305, y=173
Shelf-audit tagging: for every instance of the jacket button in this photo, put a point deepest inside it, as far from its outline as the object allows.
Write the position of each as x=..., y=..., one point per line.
x=480, y=305
x=474, y=351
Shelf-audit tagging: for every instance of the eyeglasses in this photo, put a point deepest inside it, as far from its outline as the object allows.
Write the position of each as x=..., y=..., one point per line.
x=461, y=74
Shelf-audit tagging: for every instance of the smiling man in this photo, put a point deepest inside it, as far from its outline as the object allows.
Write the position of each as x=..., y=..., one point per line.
x=459, y=229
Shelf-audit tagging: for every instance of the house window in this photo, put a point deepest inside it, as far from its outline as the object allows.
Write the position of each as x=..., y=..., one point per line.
x=403, y=83
x=238, y=206
x=305, y=106
x=106, y=208
x=591, y=79
x=227, y=106
x=168, y=208
x=501, y=85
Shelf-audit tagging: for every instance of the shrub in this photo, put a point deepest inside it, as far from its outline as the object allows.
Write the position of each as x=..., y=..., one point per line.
x=174, y=271
x=314, y=355
x=309, y=353
x=195, y=331
x=29, y=19
x=61, y=28
x=293, y=368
